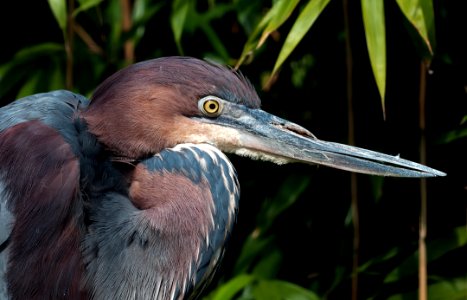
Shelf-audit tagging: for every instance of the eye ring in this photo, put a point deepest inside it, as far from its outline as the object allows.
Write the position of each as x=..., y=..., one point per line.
x=210, y=106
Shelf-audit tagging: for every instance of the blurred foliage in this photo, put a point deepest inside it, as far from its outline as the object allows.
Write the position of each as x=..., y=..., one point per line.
x=294, y=237
x=458, y=133
x=419, y=13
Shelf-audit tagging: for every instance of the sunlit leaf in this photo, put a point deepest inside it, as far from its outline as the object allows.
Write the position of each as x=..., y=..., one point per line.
x=58, y=8
x=85, y=5
x=420, y=14
x=375, y=32
x=255, y=36
x=279, y=13
x=229, y=289
x=301, y=26
x=180, y=10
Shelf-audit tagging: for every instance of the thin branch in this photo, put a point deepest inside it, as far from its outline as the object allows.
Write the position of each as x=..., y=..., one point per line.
x=129, y=46
x=69, y=45
x=87, y=39
x=351, y=140
x=422, y=261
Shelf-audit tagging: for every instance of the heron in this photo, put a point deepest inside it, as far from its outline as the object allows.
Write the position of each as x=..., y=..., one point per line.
x=129, y=194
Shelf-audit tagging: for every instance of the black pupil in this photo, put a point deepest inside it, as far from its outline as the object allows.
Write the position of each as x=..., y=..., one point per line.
x=212, y=106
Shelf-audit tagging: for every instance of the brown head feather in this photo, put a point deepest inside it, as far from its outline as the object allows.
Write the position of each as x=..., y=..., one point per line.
x=135, y=111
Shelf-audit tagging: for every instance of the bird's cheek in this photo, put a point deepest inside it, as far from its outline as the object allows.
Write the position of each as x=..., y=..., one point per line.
x=224, y=138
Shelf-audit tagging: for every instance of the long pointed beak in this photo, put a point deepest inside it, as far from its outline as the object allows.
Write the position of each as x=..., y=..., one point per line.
x=265, y=136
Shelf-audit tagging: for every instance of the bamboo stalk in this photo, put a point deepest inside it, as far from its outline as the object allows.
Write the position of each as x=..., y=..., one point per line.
x=351, y=140
x=69, y=45
x=87, y=39
x=129, y=46
x=422, y=260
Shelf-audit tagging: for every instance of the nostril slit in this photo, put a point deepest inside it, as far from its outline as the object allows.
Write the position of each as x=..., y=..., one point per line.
x=295, y=129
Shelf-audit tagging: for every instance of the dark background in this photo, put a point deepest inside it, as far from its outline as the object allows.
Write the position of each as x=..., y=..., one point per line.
x=313, y=236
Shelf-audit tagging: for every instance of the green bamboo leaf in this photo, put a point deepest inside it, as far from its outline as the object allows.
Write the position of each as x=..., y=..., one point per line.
x=449, y=288
x=56, y=80
x=38, y=50
x=255, y=36
x=216, y=43
x=375, y=32
x=303, y=23
x=58, y=8
x=260, y=241
x=180, y=10
x=450, y=241
x=269, y=263
x=142, y=12
x=229, y=289
x=16, y=70
x=26, y=55
x=289, y=192
x=29, y=87
x=253, y=247
x=392, y=253
x=203, y=21
x=454, y=289
x=453, y=135
x=278, y=14
x=85, y=5
x=420, y=14
x=277, y=290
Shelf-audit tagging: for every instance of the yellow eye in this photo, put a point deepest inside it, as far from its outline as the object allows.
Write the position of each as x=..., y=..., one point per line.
x=210, y=106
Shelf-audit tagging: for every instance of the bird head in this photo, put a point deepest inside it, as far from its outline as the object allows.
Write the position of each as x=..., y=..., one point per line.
x=160, y=103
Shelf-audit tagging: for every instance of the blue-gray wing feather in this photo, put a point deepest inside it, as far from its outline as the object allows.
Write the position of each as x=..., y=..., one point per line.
x=121, y=232
x=54, y=109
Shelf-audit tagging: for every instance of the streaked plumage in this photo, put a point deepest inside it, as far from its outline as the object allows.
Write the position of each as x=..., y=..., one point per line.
x=129, y=196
